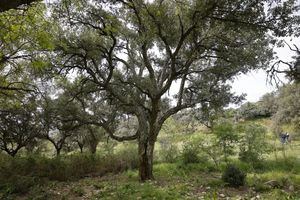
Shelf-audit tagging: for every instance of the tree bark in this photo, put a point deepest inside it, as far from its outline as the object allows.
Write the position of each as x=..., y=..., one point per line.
x=12, y=153
x=146, y=149
x=58, y=149
x=80, y=145
x=81, y=149
x=93, y=148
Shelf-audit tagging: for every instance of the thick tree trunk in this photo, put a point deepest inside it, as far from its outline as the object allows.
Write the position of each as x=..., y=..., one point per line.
x=146, y=160
x=149, y=129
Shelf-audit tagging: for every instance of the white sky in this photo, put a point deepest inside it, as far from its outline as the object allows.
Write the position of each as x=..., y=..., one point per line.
x=254, y=84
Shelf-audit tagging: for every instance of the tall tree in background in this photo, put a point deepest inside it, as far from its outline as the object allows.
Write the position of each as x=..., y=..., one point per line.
x=58, y=118
x=288, y=106
x=19, y=124
x=135, y=51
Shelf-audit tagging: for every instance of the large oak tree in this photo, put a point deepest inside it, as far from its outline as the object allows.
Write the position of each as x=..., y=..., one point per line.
x=134, y=52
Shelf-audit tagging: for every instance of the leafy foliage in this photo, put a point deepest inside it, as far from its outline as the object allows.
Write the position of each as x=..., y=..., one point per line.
x=23, y=35
x=254, y=110
x=190, y=154
x=18, y=125
x=234, y=176
x=201, y=46
x=227, y=137
x=253, y=143
x=288, y=105
x=122, y=57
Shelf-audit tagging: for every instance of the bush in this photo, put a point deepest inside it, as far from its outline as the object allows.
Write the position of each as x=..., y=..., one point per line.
x=169, y=153
x=253, y=111
x=189, y=154
x=124, y=159
x=253, y=143
x=18, y=174
x=227, y=138
x=17, y=184
x=233, y=176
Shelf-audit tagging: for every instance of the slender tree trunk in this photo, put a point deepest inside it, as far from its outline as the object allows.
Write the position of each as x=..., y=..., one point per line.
x=146, y=149
x=93, y=142
x=57, y=151
x=80, y=145
x=93, y=147
x=283, y=151
x=275, y=147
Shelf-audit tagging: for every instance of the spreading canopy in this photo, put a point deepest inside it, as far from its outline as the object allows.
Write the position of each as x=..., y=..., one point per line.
x=134, y=52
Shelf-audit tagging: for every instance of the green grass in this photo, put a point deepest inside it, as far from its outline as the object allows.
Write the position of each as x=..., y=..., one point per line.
x=173, y=181
x=115, y=176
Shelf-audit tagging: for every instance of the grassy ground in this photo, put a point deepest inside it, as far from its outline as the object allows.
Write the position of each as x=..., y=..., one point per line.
x=173, y=181
x=85, y=177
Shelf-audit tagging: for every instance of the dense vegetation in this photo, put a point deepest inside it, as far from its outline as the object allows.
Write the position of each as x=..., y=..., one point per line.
x=187, y=166
x=87, y=96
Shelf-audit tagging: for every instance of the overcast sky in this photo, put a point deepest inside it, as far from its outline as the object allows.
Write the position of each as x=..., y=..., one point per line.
x=254, y=84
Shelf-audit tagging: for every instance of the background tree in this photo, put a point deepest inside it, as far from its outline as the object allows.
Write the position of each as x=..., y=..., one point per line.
x=267, y=104
x=186, y=118
x=93, y=137
x=19, y=125
x=291, y=69
x=59, y=123
x=250, y=110
x=136, y=50
x=227, y=138
x=288, y=102
x=252, y=143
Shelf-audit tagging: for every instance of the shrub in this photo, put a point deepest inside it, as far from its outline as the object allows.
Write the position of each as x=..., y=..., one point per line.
x=18, y=184
x=169, y=153
x=124, y=159
x=18, y=174
x=81, y=164
x=78, y=191
x=253, y=144
x=189, y=154
x=253, y=111
x=227, y=138
x=233, y=176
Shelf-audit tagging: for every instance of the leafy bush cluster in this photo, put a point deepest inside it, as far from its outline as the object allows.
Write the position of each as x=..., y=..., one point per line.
x=253, y=143
x=252, y=111
x=18, y=174
x=190, y=154
x=233, y=176
x=248, y=141
x=168, y=152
